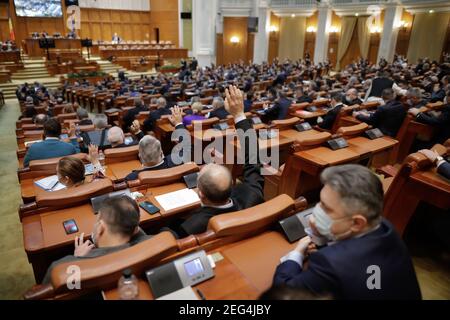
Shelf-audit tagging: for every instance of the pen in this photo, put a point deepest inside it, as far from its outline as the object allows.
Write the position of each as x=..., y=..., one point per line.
x=201, y=294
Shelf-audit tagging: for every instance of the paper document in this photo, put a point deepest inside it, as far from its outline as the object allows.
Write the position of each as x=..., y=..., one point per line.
x=186, y=293
x=177, y=199
x=50, y=183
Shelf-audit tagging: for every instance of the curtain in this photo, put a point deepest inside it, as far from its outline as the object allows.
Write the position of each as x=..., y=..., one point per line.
x=292, y=38
x=427, y=36
x=363, y=37
x=347, y=28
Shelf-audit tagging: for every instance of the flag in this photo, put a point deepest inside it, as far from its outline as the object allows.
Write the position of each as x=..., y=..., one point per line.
x=11, y=30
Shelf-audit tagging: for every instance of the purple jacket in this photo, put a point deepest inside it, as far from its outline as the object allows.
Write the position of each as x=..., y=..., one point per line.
x=187, y=120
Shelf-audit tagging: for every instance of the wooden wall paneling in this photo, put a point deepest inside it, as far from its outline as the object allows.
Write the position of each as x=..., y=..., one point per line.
x=404, y=34
x=96, y=29
x=274, y=37
x=250, y=46
x=333, y=40
x=219, y=49
x=310, y=37
x=107, y=31
x=4, y=24
x=235, y=27
x=373, y=47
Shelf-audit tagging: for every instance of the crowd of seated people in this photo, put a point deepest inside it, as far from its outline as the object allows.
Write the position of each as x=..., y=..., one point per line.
x=8, y=45
x=351, y=201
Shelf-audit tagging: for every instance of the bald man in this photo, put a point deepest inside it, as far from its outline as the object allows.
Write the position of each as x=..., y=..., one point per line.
x=214, y=182
x=116, y=137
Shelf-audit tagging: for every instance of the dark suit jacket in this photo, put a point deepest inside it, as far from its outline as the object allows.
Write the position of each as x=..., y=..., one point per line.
x=131, y=115
x=341, y=269
x=247, y=194
x=353, y=102
x=444, y=170
x=388, y=118
x=330, y=117
x=220, y=113
x=303, y=98
x=167, y=163
x=441, y=124
x=149, y=123
x=279, y=111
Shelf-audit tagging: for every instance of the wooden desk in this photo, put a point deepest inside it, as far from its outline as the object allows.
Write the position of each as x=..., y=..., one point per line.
x=46, y=241
x=307, y=115
x=380, y=149
x=245, y=272
x=121, y=169
x=10, y=56
x=33, y=49
x=28, y=188
x=178, y=53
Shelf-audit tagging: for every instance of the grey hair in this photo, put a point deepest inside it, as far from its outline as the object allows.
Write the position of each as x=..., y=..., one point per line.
x=149, y=149
x=415, y=92
x=82, y=113
x=218, y=102
x=161, y=102
x=100, y=121
x=360, y=190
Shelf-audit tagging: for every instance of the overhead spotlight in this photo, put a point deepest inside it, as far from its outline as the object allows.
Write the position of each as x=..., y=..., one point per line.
x=234, y=39
x=293, y=15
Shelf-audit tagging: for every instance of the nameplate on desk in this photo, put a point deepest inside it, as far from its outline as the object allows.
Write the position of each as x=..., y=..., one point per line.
x=183, y=272
x=304, y=126
x=177, y=199
x=220, y=126
x=97, y=202
x=267, y=134
x=336, y=144
x=294, y=226
x=373, y=134
x=256, y=120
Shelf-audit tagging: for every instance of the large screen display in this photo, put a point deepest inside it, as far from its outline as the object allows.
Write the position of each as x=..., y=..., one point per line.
x=38, y=8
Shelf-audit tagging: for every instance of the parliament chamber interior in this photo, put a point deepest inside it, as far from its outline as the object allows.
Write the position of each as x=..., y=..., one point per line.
x=225, y=150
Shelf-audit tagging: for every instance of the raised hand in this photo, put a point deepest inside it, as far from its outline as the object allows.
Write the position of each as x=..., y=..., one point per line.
x=234, y=101
x=135, y=127
x=82, y=248
x=177, y=116
x=93, y=154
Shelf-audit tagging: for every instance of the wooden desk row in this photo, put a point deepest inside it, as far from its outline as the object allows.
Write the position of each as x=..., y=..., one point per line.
x=179, y=53
x=33, y=50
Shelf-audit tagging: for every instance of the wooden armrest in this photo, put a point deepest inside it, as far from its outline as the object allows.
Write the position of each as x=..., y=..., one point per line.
x=387, y=171
x=39, y=292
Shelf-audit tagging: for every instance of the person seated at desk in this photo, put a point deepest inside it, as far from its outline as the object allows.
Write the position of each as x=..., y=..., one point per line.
x=149, y=123
x=300, y=96
x=379, y=84
x=131, y=114
x=280, y=108
x=28, y=112
x=218, y=109
x=348, y=218
x=414, y=98
x=116, y=39
x=196, y=108
x=71, y=170
x=248, y=102
x=40, y=119
x=52, y=147
x=388, y=117
x=351, y=97
x=83, y=116
x=151, y=157
x=215, y=187
x=327, y=121
x=116, y=228
x=439, y=120
x=116, y=137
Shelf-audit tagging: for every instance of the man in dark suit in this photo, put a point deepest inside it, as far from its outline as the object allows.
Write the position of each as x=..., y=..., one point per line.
x=218, y=109
x=300, y=96
x=388, y=118
x=440, y=121
x=336, y=105
x=116, y=228
x=151, y=157
x=365, y=258
x=215, y=182
x=149, y=123
x=280, y=109
x=351, y=97
x=131, y=114
x=52, y=147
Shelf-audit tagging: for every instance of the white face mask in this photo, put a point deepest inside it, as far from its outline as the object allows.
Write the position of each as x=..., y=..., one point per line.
x=323, y=223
